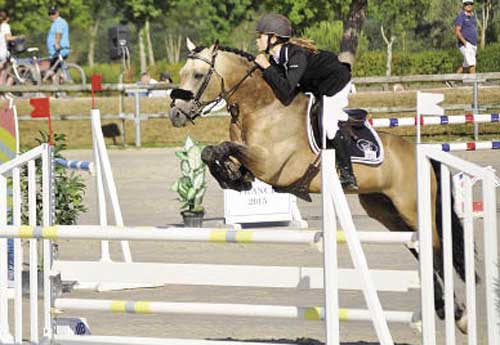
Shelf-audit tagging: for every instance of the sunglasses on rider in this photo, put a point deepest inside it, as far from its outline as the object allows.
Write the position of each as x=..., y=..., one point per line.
x=468, y=3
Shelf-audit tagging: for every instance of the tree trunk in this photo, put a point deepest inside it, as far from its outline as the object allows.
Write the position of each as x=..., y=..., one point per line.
x=486, y=8
x=352, y=29
x=389, y=43
x=92, y=42
x=150, y=45
x=173, y=47
x=388, y=66
x=142, y=50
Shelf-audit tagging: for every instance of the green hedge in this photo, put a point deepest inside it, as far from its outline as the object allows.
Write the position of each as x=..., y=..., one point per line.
x=428, y=62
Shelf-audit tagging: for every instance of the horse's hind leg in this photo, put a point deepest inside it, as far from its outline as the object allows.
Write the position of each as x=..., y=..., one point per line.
x=403, y=217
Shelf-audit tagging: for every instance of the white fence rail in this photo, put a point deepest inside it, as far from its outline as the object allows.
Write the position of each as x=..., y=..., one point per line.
x=487, y=179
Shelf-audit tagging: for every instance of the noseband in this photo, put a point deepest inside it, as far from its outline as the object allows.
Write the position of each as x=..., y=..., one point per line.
x=224, y=94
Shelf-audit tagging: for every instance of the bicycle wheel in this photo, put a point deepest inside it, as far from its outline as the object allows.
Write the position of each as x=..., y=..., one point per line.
x=70, y=75
x=25, y=76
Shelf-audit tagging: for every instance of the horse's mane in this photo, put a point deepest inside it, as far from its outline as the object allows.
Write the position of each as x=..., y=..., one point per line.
x=236, y=51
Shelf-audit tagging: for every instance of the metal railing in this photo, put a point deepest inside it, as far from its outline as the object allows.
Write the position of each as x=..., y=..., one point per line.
x=429, y=78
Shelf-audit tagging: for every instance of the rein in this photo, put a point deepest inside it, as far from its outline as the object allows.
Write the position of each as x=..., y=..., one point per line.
x=223, y=95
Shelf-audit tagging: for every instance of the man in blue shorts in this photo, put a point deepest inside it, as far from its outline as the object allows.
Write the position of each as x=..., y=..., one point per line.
x=466, y=33
x=58, y=36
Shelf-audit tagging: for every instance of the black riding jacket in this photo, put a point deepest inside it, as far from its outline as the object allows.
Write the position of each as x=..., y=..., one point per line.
x=301, y=70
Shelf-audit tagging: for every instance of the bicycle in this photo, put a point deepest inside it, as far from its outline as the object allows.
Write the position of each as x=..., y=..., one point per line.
x=36, y=71
x=60, y=72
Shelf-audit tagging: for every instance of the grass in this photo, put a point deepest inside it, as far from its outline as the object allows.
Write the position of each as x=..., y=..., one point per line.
x=160, y=133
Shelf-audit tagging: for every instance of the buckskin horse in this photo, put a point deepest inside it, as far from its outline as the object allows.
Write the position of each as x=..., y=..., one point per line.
x=269, y=141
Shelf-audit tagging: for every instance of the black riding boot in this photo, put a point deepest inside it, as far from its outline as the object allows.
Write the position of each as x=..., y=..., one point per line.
x=343, y=160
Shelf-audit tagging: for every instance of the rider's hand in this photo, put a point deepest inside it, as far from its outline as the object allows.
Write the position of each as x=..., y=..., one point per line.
x=262, y=61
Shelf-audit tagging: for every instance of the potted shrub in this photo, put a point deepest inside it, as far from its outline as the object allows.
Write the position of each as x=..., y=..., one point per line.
x=191, y=185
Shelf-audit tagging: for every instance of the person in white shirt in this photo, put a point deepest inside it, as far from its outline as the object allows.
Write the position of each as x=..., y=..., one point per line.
x=5, y=37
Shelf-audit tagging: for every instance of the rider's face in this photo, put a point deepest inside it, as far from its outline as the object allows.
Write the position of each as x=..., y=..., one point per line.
x=261, y=42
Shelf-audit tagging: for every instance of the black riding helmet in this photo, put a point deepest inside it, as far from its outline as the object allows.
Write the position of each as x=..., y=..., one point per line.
x=275, y=24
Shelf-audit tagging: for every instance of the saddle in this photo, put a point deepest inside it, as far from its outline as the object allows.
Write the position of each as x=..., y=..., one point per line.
x=365, y=147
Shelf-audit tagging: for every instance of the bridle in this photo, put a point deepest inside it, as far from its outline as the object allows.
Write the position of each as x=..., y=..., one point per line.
x=202, y=108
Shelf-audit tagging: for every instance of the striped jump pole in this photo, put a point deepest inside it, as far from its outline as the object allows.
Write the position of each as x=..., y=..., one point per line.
x=468, y=146
x=411, y=121
x=76, y=165
x=145, y=233
x=315, y=313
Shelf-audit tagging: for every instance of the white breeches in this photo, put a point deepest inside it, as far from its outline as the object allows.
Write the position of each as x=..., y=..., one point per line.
x=333, y=111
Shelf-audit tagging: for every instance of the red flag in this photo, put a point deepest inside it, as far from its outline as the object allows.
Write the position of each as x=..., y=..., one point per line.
x=41, y=107
x=96, y=82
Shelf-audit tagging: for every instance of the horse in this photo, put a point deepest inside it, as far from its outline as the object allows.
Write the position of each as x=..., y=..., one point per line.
x=269, y=141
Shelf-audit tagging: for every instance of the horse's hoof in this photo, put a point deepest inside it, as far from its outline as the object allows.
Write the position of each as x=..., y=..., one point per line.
x=462, y=323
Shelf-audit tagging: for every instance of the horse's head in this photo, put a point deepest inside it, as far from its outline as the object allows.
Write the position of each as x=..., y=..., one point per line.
x=200, y=85
x=207, y=78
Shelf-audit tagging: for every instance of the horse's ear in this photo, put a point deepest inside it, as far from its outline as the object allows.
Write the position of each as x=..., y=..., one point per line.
x=190, y=45
x=216, y=45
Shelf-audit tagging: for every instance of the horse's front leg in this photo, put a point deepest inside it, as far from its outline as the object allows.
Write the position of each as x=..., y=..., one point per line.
x=225, y=168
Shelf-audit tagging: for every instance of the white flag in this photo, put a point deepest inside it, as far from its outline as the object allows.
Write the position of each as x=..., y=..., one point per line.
x=428, y=103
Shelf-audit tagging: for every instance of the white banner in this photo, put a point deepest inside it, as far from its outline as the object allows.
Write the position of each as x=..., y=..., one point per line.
x=260, y=204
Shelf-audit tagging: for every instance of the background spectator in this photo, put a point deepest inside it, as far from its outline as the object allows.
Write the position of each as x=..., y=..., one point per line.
x=58, y=36
x=165, y=77
x=5, y=38
x=466, y=33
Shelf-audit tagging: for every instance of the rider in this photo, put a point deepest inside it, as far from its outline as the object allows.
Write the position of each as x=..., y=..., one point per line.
x=296, y=65
x=57, y=37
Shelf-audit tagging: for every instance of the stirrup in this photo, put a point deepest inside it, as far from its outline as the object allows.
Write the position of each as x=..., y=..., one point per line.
x=348, y=182
x=349, y=185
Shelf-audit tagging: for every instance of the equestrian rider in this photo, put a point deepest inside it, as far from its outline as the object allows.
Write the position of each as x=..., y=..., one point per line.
x=295, y=66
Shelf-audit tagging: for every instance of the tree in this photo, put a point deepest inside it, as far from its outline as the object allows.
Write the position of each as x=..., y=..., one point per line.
x=485, y=15
x=304, y=13
x=97, y=11
x=140, y=12
x=395, y=19
x=307, y=13
x=353, y=25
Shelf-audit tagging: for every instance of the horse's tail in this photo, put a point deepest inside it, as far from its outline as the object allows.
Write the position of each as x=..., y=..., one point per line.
x=457, y=230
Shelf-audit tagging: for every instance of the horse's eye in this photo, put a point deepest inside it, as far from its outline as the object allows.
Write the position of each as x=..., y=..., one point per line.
x=198, y=75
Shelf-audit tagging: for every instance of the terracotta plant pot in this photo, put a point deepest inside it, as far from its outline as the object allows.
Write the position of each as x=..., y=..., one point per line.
x=192, y=219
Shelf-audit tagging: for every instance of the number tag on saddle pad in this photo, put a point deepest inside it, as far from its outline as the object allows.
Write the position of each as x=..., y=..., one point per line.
x=72, y=326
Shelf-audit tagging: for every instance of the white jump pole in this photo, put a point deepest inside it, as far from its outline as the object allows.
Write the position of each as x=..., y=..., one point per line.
x=330, y=261
x=101, y=198
x=33, y=254
x=5, y=336
x=48, y=199
x=105, y=167
x=449, y=289
x=491, y=262
x=222, y=309
x=18, y=256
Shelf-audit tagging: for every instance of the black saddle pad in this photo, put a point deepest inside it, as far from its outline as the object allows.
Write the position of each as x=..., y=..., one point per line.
x=365, y=147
